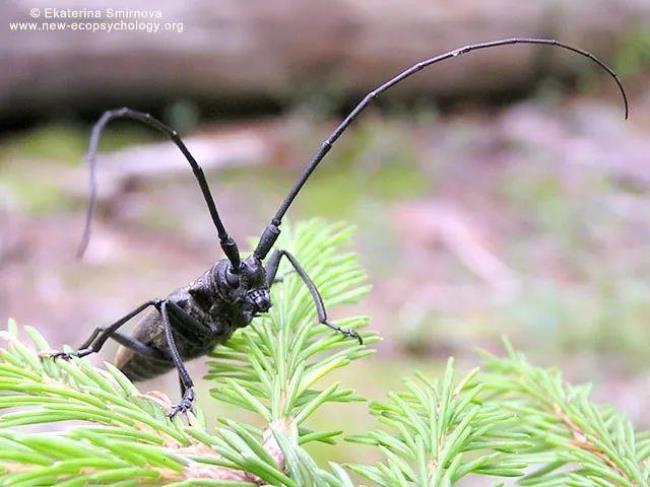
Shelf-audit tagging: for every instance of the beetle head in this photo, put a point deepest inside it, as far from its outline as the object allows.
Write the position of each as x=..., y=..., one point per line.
x=251, y=282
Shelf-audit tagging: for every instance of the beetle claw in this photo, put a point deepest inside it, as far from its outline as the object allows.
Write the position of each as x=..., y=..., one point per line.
x=59, y=355
x=67, y=356
x=350, y=333
x=185, y=405
x=346, y=332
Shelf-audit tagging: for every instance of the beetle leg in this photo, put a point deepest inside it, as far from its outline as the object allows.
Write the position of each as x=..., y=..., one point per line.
x=98, y=337
x=281, y=278
x=271, y=271
x=188, y=323
x=186, y=381
x=139, y=347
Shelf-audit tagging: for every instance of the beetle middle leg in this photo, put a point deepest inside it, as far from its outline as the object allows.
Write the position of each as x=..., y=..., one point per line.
x=100, y=335
x=271, y=271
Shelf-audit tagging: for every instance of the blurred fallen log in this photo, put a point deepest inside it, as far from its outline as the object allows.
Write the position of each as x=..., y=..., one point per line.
x=119, y=169
x=163, y=160
x=278, y=51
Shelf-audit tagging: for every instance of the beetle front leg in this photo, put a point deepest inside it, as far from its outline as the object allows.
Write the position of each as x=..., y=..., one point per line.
x=271, y=271
x=187, y=386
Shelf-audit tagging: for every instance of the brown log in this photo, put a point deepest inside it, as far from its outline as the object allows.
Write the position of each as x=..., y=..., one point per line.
x=281, y=49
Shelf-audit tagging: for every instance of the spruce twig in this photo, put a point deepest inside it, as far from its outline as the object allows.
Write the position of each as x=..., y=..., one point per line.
x=509, y=421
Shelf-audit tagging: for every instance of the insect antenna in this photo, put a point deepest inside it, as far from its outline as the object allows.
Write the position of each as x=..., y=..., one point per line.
x=227, y=243
x=272, y=231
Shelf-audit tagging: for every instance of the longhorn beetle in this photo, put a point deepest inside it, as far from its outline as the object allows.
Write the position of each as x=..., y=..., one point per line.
x=195, y=318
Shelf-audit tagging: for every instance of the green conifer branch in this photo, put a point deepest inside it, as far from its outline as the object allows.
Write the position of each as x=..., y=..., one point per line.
x=273, y=368
x=98, y=427
x=125, y=437
x=437, y=432
x=511, y=420
x=574, y=440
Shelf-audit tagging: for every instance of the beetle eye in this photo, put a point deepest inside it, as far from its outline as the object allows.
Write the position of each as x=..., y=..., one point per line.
x=233, y=279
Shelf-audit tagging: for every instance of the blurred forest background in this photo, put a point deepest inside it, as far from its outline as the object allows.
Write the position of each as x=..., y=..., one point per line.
x=500, y=193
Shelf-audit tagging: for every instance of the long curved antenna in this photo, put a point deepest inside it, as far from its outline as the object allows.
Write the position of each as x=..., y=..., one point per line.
x=227, y=243
x=272, y=231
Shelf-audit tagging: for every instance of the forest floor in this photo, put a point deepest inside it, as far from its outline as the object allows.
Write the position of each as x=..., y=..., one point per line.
x=531, y=221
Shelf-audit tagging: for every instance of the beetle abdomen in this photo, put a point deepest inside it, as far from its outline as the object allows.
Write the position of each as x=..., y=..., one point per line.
x=135, y=366
x=191, y=342
x=140, y=367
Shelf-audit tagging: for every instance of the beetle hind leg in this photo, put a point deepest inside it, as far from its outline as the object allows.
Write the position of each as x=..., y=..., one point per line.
x=100, y=335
